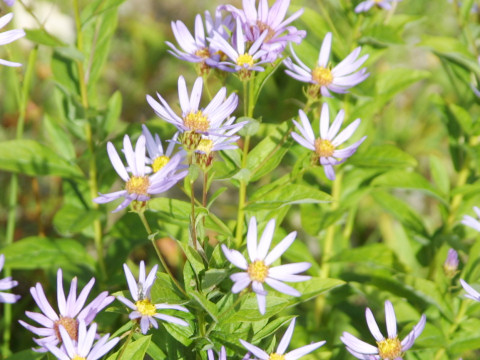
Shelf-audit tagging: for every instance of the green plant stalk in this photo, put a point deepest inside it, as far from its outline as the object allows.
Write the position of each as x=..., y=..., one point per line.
x=159, y=254
x=12, y=199
x=453, y=327
x=92, y=173
x=125, y=345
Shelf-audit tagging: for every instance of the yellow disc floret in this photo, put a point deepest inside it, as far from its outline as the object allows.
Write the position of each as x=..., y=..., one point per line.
x=160, y=162
x=390, y=348
x=205, y=146
x=322, y=76
x=78, y=357
x=69, y=324
x=275, y=356
x=257, y=271
x=145, y=307
x=138, y=185
x=196, y=121
x=245, y=59
x=203, y=53
x=324, y=148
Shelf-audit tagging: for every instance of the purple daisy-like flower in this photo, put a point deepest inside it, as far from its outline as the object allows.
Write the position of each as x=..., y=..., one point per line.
x=9, y=36
x=282, y=347
x=83, y=348
x=71, y=311
x=260, y=271
x=139, y=186
x=242, y=60
x=471, y=292
x=209, y=120
x=388, y=348
x=472, y=222
x=222, y=355
x=368, y=4
x=143, y=309
x=325, y=147
x=9, y=2
x=6, y=284
x=339, y=79
x=279, y=33
x=157, y=157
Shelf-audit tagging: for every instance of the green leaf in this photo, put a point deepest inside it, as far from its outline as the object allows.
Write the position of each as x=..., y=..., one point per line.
x=114, y=109
x=183, y=334
x=205, y=304
x=71, y=219
x=213, y=277
x=42, y=37
x=32, y=158
x=261, y=78
x=396, y=80
x=383, y=156
x=59, y=138
x=270, y=328
x=193, y=257
x=249, y=129
x=373, y=255
x=439, y=173
x=47, y=253
x=135, y=350
x=173, y=210
x=288, y=195
x=165, y=291
x=380, y=35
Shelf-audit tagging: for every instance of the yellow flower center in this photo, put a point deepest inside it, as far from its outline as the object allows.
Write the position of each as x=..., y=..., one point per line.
x=203, y=53
x=69, y=324
x=275, y=356
x=138, y=185
x=145, y=307
x=262, y=27
x=196, y=121
x=390, y=348
x=205, y=146
x=77, y=357
x=322, y=76
x=324, y=148
x=245, y=59
x=257, y=271
x=160, y=162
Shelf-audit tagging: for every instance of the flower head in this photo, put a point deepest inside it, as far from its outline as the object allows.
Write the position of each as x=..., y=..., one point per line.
x=6, y=284
x=279, y=32
x=139, y=186
x=9, y=2
x=367, y=5
x=279, y=354
x=9, y=36
x=144, y=311
x=325, y=147
x=471, y=292
x=259, y=270
x=209, y=120
x=472, y=222
x=82, y=349
x=222, y=355
x=323, y=77
x=388, y=348
x=71, y=312
x=450, y=265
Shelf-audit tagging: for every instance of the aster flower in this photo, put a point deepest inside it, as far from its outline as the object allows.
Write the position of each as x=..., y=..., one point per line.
x=471, y=292
x=390, y=348
x=197, y=49
x=143, y=310
x=157, y=157
x=70, y=311
x=260, y=271
x=339, y=79
x=139, y=186
x=6, y=284
x=368, y=4
x=82, y=348
x=472, y=222
x=255, y=22
x=9, y=2
x=9, y=36
x=242, y=60
x=208, y=120
x=222, y=355
x=325, y=147
x=450, y=265
x=282, y=347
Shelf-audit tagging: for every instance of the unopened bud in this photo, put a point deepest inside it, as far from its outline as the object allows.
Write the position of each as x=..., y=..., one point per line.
x=450, y=265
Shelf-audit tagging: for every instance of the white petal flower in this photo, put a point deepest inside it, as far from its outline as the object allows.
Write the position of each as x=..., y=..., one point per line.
x=143, y=310
x=9, y=36
x=259, y=270
x=279, y=354
x=388, y=348
x=472, y=222
x=472, y=293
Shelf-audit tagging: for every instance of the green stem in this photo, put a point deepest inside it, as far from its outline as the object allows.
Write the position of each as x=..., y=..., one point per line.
x=456, y=322
x=159, y=254
x=129, y=339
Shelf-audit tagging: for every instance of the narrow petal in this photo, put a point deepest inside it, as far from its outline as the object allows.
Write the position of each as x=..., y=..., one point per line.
x=324, y=121
x=131, y=282
x=252, y=239
x=281, y=287
x=325, y=51
x=265, y=240
x=255, y=350
x=304, y=350
x=235, y=257
x=372, y=325
x=283, y=345
x=280, y=248
x=391, y=320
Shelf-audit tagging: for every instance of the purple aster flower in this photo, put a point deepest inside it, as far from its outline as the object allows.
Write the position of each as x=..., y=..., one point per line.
x=325, y=147
x=242, y=60
x=472, y=222
x=82, y=349
x=139, y=186
x=260, y=271
x=471, y=292
x=143, y=310
x=282, y=347
x=389, y=348
x=71, y=309
x=157, y=157
x=6, y=284
x=197, y=49
x=450, y=266
x=209, y=120
x=368, y=4
x=339, y=79
x=9, y=36
x=9, y=2
x=221, y=356
x=255, y=22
